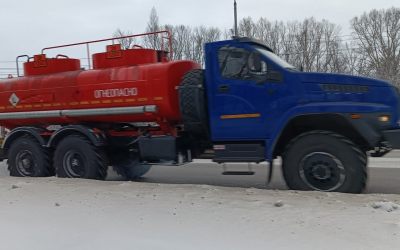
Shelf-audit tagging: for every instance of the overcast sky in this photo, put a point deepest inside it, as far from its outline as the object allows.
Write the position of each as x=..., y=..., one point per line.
x=28, y=25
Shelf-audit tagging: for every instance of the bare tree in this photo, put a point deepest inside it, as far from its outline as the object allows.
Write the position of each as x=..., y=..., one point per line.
x=126, y=43
x=181, y=41
x=153, y=41
x=270, y=34
x=200, y=36
x=310, y=44
x=247, y=27
x=378, y=37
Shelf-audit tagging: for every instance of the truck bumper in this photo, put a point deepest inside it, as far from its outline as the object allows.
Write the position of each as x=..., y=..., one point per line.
x=393, y=138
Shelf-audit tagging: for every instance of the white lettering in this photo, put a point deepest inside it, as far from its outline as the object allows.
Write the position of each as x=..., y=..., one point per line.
x=109, y=93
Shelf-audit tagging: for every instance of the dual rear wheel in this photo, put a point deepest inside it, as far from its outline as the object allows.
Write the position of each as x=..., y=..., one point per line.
x=74, y=157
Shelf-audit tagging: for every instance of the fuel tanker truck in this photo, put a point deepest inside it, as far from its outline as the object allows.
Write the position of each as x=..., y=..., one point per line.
x=136, y=108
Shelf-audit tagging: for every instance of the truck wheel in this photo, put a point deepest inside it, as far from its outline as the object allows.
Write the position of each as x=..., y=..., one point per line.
x=27, y=158
x=324, y=161
x=130, y=168
x=193, y=103
x=76, y=157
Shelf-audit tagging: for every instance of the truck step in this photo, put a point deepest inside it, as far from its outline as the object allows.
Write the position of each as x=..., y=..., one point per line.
x=238, y=173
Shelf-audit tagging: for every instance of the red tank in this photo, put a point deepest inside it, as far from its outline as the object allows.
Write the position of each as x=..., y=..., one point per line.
x=134, y=85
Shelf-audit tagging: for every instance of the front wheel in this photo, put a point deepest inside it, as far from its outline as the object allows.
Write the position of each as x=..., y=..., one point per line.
x=324, y=161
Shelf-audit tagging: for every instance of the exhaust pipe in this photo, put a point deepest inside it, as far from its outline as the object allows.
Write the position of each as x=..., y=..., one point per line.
x=235, y=18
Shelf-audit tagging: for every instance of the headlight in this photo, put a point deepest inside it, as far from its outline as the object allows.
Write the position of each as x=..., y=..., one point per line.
x=384, y=118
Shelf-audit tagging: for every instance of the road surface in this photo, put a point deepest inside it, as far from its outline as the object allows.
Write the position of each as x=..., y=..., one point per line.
x=384, y=175
x=55, y=213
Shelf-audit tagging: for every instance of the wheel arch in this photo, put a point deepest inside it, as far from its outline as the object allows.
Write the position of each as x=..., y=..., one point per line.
x=95, y=137
x=23, y=131
x=337, y=123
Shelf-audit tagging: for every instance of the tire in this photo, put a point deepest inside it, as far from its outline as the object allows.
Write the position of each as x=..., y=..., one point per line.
x=130, y=168
x=27, y=158
x=76, y=157
x=193, y=103
x=324, y=161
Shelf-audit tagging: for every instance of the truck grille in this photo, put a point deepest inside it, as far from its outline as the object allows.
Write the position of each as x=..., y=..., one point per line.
x=344, y=88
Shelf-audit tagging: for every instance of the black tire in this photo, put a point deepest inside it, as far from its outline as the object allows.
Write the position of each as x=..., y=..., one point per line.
x=27, y=158
x=324, y=161
x=76, y=157
x=193, y=103
x=130, y=167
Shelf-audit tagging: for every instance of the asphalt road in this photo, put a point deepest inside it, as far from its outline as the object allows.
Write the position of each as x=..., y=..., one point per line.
x=384, y=175
x=381, y=179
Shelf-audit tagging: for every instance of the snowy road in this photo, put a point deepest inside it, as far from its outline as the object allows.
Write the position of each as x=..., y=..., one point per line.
x=52, y=213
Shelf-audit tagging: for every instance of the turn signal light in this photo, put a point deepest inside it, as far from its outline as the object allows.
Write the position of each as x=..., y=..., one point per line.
x=355, y=116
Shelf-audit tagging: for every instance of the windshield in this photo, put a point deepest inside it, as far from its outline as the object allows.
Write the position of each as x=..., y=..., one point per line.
x=276, y=59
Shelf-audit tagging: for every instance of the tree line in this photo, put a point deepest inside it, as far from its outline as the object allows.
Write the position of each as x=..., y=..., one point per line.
x=372, y=49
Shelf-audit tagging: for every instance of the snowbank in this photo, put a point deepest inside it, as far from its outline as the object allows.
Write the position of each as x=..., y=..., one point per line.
x=56, y=213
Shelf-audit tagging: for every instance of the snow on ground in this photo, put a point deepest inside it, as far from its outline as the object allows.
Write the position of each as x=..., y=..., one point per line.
x=51, y=213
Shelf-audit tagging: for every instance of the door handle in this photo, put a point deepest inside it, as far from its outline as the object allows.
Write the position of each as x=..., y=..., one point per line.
x=223, y=88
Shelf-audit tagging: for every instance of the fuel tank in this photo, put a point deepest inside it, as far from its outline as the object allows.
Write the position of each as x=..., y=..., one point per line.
x=135, y=85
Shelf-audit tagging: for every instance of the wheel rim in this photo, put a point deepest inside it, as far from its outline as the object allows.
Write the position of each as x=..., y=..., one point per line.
x=25, y=162
x=74, y=164
x=322, y=171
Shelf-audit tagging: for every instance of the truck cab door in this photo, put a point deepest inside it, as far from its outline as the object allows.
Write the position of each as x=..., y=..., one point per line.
x=243, y=95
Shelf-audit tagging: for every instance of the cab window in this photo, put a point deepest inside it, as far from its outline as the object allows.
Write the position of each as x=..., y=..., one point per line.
x=238, y=63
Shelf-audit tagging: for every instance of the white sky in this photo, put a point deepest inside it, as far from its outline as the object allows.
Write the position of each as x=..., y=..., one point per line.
x=26, y=26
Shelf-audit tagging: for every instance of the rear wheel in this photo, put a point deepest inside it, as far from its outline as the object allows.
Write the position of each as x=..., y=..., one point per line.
x=76, y=157
x=324, y=161
x=27, y=158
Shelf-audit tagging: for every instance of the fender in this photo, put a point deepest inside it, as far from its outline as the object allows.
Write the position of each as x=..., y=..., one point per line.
x=368, y=132
x=18, y=132
x=97, y=139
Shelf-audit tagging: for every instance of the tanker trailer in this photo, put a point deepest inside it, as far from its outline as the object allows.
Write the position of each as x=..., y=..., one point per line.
x=72, y=122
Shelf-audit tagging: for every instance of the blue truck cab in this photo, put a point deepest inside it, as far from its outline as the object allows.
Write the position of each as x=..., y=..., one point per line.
x=259, y=107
